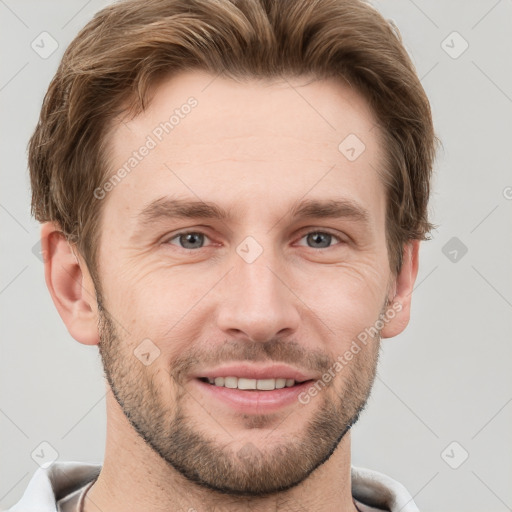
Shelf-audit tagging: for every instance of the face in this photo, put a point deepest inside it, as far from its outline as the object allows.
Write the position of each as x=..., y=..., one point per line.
x=242, y=255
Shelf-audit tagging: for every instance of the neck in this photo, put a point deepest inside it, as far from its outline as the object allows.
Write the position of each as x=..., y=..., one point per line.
x=134, y=478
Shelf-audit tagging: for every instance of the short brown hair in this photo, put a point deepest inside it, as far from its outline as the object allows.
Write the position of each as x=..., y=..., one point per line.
x=128, y=46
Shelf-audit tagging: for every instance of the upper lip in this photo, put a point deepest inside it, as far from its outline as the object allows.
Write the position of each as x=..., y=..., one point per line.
x=251, y=371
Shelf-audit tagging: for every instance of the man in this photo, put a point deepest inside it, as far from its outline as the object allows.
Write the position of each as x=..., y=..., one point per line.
x=233, y=195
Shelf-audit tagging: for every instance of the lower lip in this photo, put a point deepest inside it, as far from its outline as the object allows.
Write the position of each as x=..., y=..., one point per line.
x=256, y=401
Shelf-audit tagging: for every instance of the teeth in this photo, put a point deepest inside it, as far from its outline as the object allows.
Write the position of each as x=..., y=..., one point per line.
x=280, y=383
x=242, y=383
x=230, y=382
x=265, y=384
x=246, y=383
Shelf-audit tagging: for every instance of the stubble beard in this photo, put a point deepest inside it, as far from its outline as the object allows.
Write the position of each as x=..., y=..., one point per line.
x=240, y=468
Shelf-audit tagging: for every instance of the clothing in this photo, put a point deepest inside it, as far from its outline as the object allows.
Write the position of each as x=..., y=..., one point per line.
x=61, y=486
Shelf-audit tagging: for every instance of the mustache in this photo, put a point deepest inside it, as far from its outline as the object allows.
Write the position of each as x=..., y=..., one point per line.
x=274, y=351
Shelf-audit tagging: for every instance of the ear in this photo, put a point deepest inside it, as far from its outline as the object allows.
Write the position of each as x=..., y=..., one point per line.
x=403, y=285
x=70, y=285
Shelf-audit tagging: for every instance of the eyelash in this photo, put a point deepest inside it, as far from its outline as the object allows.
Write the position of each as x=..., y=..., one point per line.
x=198, y=232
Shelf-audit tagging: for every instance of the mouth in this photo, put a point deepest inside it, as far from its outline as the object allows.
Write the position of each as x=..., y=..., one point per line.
x=249, y=389
x=248, y=384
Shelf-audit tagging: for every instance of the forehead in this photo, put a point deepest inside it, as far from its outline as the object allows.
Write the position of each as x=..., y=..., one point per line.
x=301, y=107
x=221, y=139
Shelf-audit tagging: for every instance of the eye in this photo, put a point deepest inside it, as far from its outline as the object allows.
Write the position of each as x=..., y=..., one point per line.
x=189, y=239
x=320, y=239
x=193, y=240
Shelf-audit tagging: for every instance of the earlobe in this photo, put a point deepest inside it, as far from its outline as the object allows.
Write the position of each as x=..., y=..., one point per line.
x=399, y=308
x=70, y=285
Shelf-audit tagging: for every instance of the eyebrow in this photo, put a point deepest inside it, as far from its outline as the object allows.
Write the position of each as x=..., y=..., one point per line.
x=171, y=208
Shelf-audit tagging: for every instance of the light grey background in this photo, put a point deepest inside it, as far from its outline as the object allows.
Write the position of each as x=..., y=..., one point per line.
x=446, y=378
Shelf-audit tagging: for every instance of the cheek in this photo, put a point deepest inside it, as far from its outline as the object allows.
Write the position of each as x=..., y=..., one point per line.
x=141, y=293
x=161, y=304
x=347, y=300
x=356, y=274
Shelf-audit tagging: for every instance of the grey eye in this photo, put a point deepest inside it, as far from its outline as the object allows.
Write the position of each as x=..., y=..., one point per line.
x=319, y=240
x=190, y=240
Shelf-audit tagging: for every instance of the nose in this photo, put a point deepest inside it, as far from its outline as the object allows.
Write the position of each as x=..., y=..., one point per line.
x=256, y=302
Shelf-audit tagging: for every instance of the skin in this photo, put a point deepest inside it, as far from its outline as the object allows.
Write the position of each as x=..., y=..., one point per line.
x=255, y=148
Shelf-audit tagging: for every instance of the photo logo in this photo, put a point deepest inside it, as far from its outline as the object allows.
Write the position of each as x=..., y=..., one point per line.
x=343, y=359
x=152, y=140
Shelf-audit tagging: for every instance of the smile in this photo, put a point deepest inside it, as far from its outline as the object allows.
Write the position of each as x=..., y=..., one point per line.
x=250, y=384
